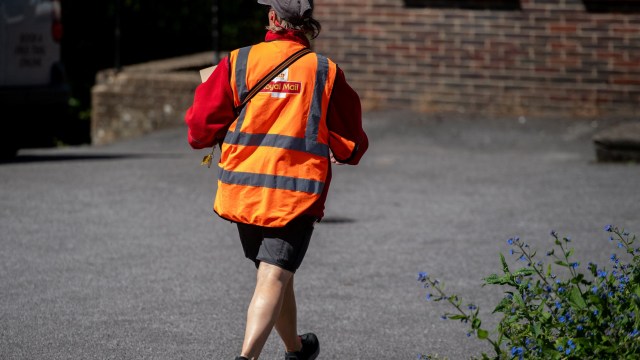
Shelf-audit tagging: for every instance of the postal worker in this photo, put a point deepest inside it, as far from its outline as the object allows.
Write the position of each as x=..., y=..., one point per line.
x=275, y=162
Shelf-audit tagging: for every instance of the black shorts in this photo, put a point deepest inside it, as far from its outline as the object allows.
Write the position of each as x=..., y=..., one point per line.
x=284, y=247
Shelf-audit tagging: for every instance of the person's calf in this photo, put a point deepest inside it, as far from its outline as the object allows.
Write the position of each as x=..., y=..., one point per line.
x=264, y=308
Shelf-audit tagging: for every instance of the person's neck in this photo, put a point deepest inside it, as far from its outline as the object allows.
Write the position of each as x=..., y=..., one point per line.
x=291, y=35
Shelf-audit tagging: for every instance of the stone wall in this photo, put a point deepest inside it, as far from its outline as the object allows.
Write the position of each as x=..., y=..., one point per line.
x=145, y=97
x=522, y=57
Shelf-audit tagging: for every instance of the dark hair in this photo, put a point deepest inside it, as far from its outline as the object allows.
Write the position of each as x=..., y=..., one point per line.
x=311, y=27
x=308, y=25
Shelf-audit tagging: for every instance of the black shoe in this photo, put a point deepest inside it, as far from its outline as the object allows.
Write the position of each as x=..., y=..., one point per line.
x=241, y=358
x=310, y=348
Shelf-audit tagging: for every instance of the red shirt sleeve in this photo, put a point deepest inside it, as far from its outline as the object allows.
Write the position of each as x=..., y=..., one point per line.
x=344, y=119
x=212, y=111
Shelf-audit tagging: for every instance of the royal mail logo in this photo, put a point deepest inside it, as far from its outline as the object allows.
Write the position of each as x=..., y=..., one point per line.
x=281, y=86
x=286, y=87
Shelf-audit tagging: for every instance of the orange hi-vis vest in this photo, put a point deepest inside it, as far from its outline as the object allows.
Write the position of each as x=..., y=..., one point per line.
x=275, y=156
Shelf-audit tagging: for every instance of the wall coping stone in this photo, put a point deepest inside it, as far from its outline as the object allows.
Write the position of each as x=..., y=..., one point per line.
x=141, y=98
x=618, y=143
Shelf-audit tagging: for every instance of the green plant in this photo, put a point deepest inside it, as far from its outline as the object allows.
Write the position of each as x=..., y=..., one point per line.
x=587, y=316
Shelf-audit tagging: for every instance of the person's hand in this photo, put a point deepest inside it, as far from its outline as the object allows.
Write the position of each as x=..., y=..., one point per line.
x=333, y=159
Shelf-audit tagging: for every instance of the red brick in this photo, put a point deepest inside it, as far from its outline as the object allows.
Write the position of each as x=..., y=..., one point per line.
x=563, y=28
x=538, y=57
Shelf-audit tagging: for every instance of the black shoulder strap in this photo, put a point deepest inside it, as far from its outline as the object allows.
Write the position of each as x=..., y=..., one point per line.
x=270, y=76
x=256, y=89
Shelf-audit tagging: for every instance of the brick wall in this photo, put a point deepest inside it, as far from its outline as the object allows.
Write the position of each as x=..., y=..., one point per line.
x=567, y=57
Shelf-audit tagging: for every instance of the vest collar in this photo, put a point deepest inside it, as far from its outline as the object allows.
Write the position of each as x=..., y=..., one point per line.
x=290, y=35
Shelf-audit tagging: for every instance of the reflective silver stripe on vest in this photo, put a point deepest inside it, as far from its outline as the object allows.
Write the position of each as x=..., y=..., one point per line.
x=241, y=85
x=271, y=181
x=241, y=72
x=310, y=143
x=281, y=142
x=315, y=113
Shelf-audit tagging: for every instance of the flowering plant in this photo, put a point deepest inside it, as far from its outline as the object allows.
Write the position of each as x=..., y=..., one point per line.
x=587, y=316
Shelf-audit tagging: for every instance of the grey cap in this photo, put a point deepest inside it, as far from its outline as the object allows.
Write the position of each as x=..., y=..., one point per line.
x=291, y=10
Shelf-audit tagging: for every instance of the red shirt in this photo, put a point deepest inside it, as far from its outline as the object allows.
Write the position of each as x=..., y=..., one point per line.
x=213, y=112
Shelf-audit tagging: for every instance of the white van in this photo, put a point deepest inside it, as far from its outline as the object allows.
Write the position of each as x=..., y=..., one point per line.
x=32, y=80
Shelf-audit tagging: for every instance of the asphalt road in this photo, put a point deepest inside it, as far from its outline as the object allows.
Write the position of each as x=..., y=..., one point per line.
x=114, y=253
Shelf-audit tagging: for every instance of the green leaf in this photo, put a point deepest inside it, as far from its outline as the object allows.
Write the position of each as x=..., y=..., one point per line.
x=562, y=263
x=504, y=305
x=494, y=279
x=575, y=298
x=518, y=298
x=536, y=329
x=475, y=324
x=482, y=334
x=524, y=272
x=505, y=267
x=577, y=279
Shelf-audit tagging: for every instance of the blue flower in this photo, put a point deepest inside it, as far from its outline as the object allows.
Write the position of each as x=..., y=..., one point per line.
x=422, y=276
x=570, y=344
x=634, y=333
x=511, y=252
x=602, y=273
x=429, y=297
x=574, y=265
x=568, y=351
x=472, y=307
x=517, y=351
x=608, y=228
x=620, y=245
x=580, y=327
x=561, y=290
x=596, y=312
x=594, y=289
x=510, y=241
x=468, y=334
x=558, y=304
x=560, y=348
x=610, y=238
x=562, y=319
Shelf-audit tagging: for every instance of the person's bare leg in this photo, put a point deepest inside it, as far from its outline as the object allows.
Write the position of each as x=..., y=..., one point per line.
x=264, y=309
x=287, y=322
